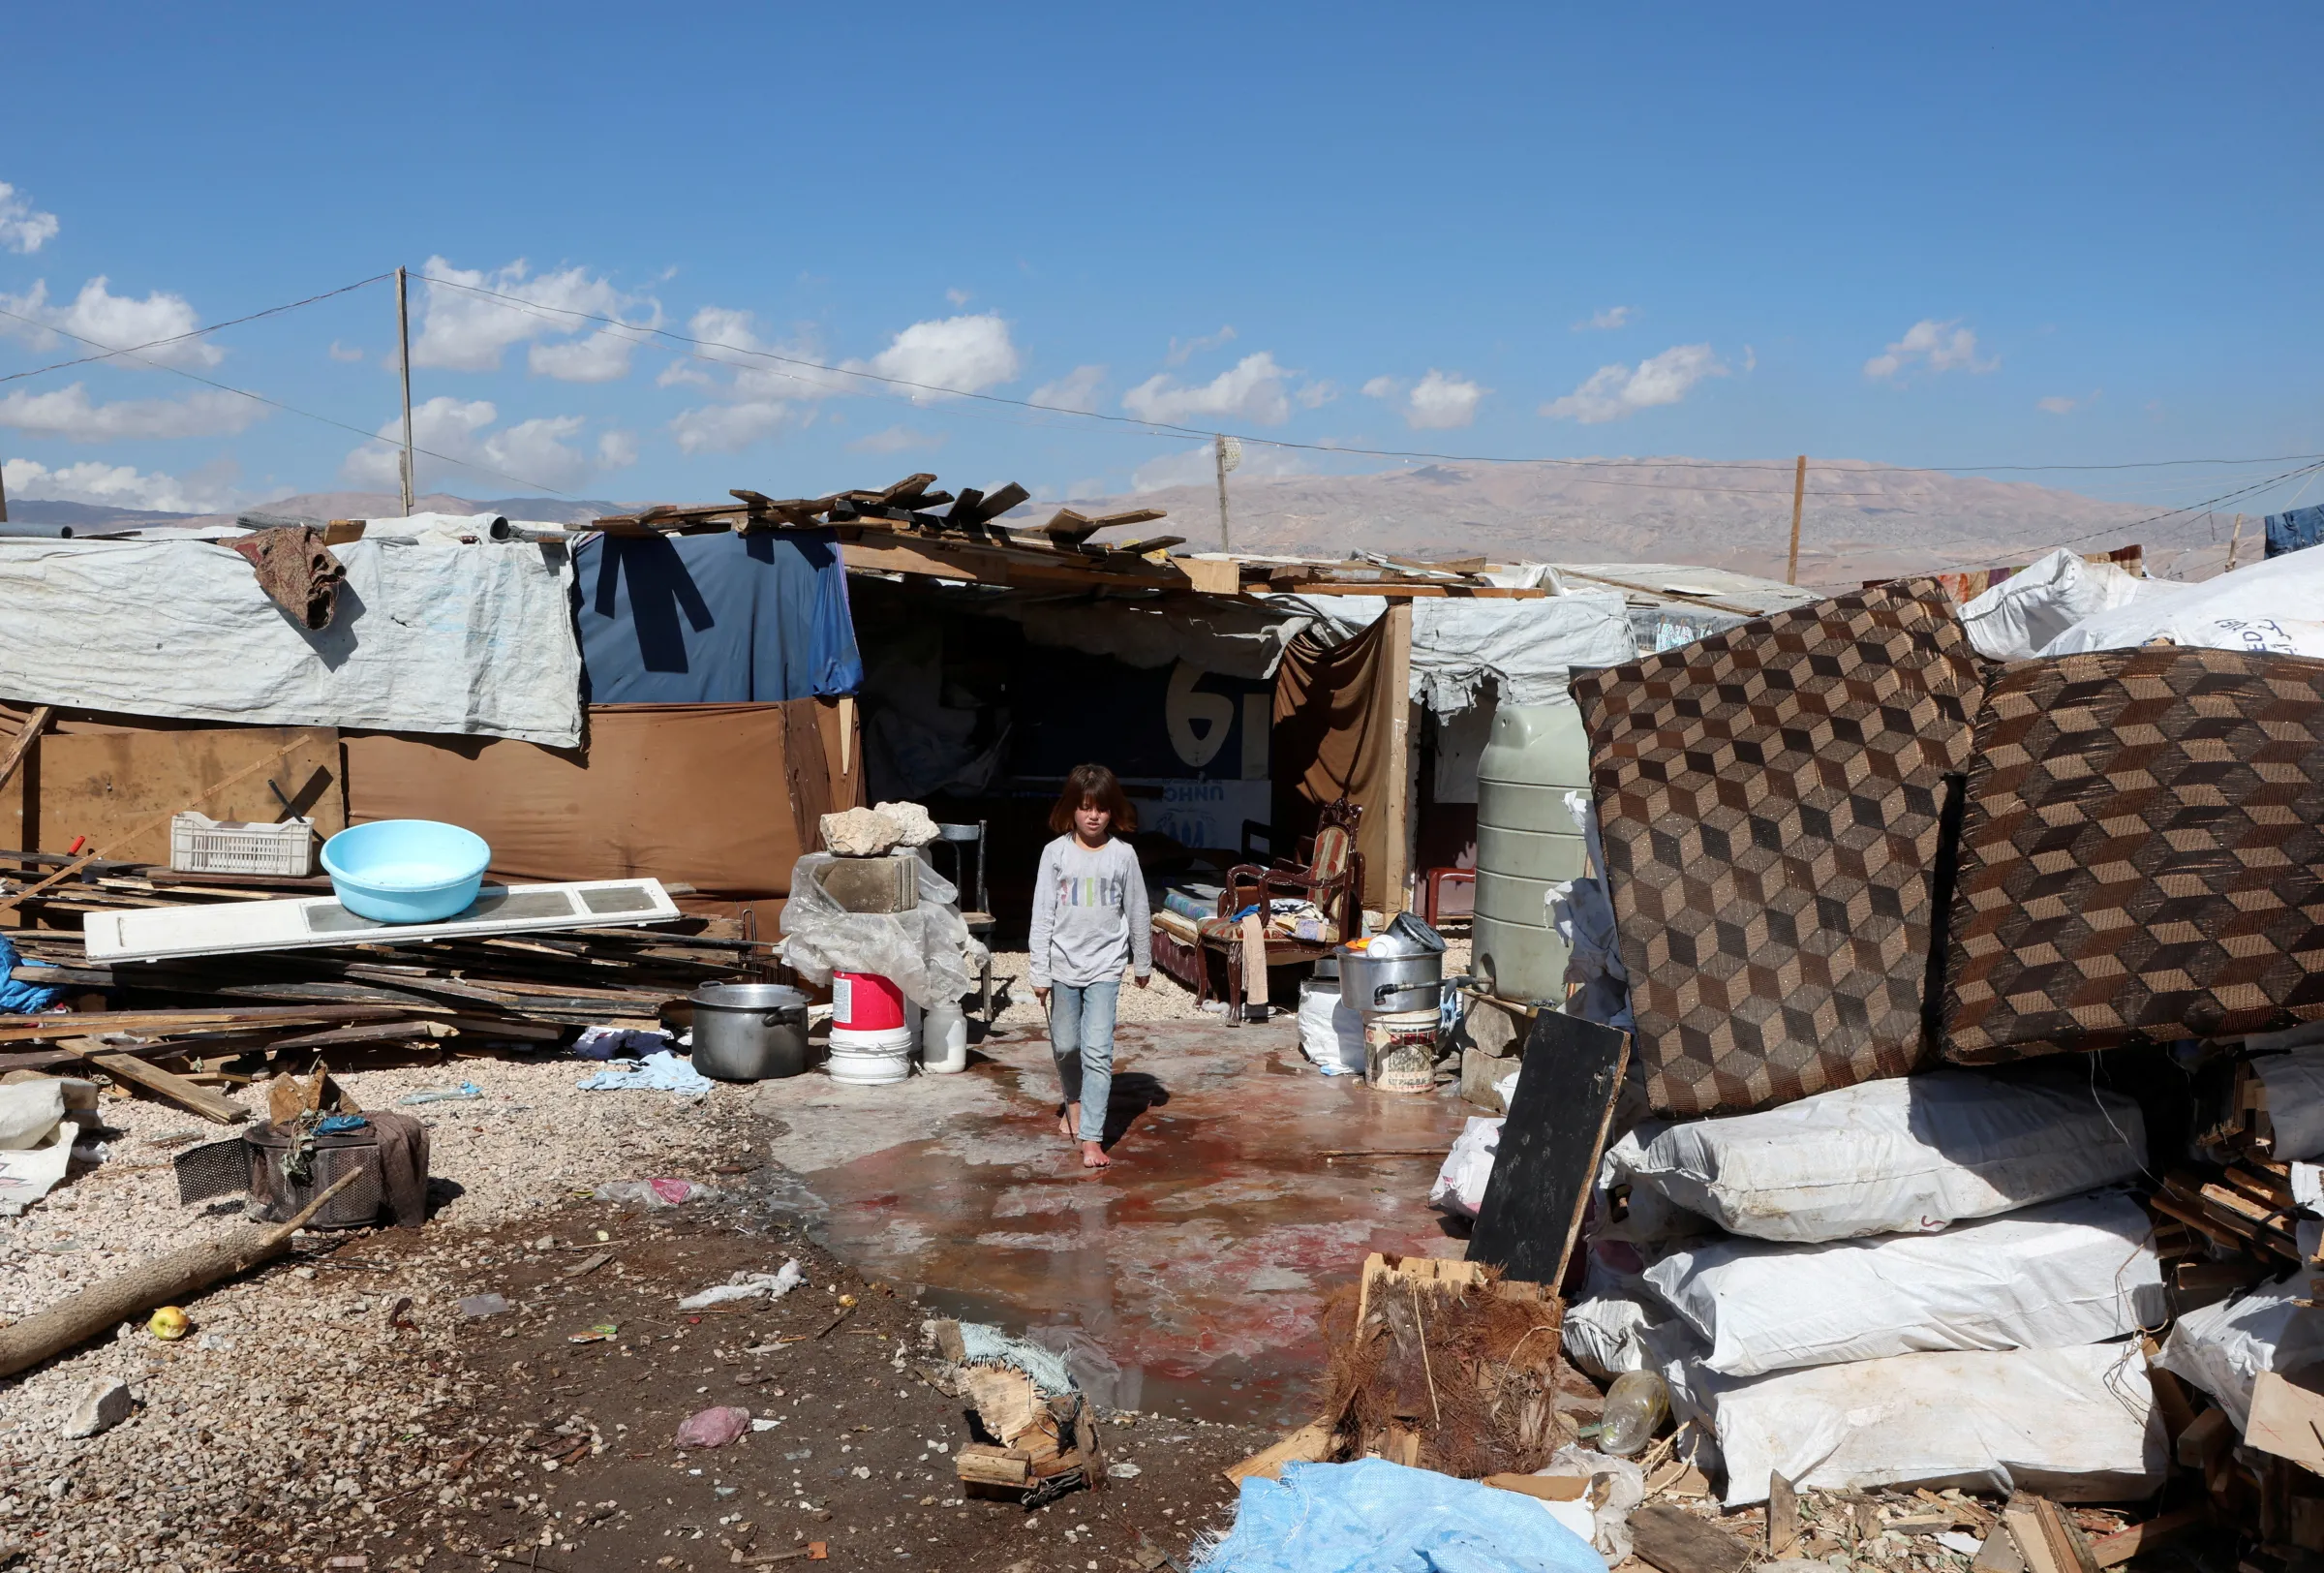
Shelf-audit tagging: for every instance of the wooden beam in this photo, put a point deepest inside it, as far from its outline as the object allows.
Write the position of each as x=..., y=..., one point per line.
x=1397, y=673
x=976, y=563
x=26, y=736
x=162, y=1084
x=1480, y=592
x=1690, y=596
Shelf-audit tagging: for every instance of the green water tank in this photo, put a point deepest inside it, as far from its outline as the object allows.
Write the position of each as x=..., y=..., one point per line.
x=1526, y=842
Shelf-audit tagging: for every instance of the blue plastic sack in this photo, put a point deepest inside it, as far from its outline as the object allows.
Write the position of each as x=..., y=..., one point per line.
x=1376, y=1516
x=22, y=999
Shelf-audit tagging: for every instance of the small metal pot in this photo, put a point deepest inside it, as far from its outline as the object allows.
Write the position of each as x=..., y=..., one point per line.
x=749, y=1032
x=1382, y=984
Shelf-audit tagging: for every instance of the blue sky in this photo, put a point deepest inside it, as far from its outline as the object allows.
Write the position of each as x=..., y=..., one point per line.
x=1957, y=235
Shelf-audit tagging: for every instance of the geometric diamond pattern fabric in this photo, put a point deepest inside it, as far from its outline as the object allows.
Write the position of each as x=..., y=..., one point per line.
x=1770, y=801
x=2141, y=858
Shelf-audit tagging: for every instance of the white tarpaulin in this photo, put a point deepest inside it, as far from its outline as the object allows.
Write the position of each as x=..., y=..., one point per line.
x=429, y=637
x=2223, y=1348
x=1528, y=647
x=2075, y=1424
x=2016, y=618
x=1911, y=1154
x=2067, y=1273
x=2274, y=607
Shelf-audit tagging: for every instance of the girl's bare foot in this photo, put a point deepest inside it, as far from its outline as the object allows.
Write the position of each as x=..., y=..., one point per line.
x=1093, y=1157
x=1069, y=1122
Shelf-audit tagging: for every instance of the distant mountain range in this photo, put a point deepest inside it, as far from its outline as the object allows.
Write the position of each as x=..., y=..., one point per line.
x=1862, y=521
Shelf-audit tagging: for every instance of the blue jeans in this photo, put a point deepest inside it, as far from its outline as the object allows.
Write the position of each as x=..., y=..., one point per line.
x=1081, y=1035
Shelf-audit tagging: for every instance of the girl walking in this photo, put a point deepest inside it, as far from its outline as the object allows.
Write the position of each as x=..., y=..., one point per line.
x=1090, y=919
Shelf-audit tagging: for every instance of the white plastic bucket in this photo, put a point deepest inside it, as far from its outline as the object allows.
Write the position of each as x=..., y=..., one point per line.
x=944, y=1039
x=870, y=1059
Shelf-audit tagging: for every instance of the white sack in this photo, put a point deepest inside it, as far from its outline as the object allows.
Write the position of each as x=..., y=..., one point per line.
x=1528, y=648
x=2075, y=1424
x=2018, y=616
x=1467, y=1169
x=27, y=1174
x=1330, y=1034
x=1604, y=1335
x=428, y=637
x=1908, y=1154
x=29, y=1111
x=2274, y=606
x=2066, y=1273
x=2295, y=1087
x=2223, y=1348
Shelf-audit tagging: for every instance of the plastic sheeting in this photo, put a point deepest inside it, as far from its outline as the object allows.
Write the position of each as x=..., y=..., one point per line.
x=2271, y=607
x=2075, y=1424
x=1527, y=649
x=1907, y=1154
x=1377, y=1516
x=1467, y=1169
x=2222, y=1348
x=428, y=637
x=715, y=619
x=2017, y=617
x=926, y=952
x=2068, y=1272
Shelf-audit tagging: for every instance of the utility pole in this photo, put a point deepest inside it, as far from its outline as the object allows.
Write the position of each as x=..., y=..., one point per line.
x=1230, y=454
x=3, y=497
x=2234, y=542
x=403, y=337
x=1799, y=492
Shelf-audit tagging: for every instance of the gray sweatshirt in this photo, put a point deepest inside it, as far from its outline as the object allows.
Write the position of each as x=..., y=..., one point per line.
x=1090, y=914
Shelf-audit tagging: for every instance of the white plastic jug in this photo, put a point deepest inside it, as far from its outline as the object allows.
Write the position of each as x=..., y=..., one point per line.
x=944, y=1039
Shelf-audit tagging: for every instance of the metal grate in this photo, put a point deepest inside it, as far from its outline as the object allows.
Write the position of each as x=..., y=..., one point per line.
x=212, y=1169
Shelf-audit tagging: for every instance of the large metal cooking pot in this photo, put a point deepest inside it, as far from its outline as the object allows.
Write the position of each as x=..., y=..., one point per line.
x=1380, y=978
x=749, y=1032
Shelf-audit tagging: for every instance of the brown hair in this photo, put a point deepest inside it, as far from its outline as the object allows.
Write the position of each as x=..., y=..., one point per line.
x=1092, y=784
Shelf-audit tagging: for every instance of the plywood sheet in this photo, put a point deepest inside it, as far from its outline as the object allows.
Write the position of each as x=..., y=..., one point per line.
x=1772, y=800
x=101, y=785
x=2142, y=853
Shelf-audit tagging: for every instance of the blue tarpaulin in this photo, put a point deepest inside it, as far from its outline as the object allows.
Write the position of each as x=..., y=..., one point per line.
x=1377, y=1516
x=713, y=619
x=2294, y=530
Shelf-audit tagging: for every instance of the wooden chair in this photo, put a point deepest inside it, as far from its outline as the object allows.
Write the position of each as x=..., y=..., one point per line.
x=1327, y=870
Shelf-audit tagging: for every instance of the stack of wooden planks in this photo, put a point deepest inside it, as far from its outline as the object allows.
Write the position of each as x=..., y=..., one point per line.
x=2248, y=1207
x=271, y=1010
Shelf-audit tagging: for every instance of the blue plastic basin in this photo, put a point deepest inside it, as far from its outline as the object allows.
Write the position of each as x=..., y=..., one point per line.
x=406, y=871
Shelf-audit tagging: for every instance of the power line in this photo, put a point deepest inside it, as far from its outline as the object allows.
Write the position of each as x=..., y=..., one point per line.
x=277, y=404
x=179, y=338
x=1175, y=430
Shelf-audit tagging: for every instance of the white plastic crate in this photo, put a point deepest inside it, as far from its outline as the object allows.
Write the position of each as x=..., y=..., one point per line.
x=201, y=844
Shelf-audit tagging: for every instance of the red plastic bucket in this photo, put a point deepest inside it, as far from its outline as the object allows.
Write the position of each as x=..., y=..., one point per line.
x=865, y=1002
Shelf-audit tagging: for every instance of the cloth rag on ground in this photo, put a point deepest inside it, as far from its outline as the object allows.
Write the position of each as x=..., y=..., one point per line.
x=2015, y=619
x=926, y=952
x=1770, y=801
x=2222, y=1348
x=1911, y=1154
x=748, y=1286
x=720, y=618
x=403, y=1165
x=2142, y=853
x=1377, y=1516
x=2075, y=1424
x=2073, y=1271
x=2270, y=608
x=660, y=1073
x=428, y=637
x=619, y=1042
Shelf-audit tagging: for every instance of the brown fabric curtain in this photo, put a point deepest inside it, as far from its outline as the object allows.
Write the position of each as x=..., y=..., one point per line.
x=699, y=794
x=1334, y=715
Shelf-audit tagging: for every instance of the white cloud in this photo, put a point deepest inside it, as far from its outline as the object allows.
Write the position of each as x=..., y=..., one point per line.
x=729, y=428
x=1315, y=395
x=1612, y=317
x=112, y=322
x=2058, y=405
x=68, y=413
x=1076, y=389
x=1441, y=401
x=207, y=490
x=23, y=229
x=1381, y=388
x=1198, y=467
x=1616, y=391
x=1182, y=350
x=898, y=440
x=1938, y=346
x=946, y=355
x=959, y=297
x=347, y=353
x=461, y=331
x=616, y=450
x=534, y=452
x=1252, y=389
